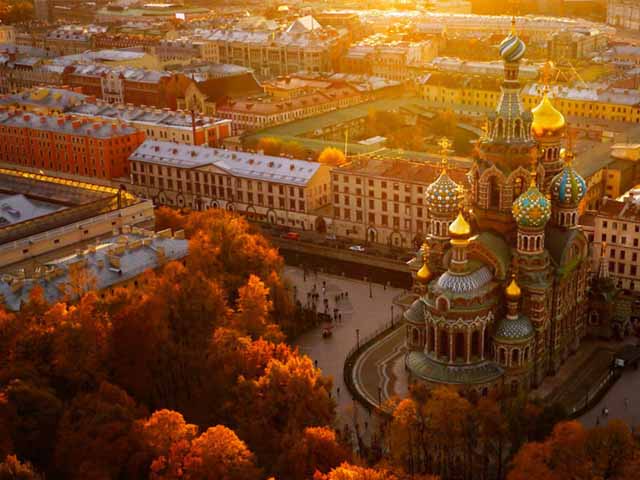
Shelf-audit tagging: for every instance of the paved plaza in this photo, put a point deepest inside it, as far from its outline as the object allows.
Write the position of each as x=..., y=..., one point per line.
x=359, y=312
x=622, y=401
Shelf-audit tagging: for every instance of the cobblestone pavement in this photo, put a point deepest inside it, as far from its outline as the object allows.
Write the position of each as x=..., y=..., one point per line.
x=359, y=312
x=622, y=402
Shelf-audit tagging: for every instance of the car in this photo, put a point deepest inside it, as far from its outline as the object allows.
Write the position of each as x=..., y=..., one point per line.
x=291, y=236
x=331, y=236
x=356, y=248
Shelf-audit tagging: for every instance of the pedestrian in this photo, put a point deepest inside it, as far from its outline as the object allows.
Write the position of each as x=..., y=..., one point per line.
x=598, y=421
x=347, y=294
x=316, y=363
x=324, y=284
x=603, y=410
x=339, y=318
x=606, y=412
x=338, y=390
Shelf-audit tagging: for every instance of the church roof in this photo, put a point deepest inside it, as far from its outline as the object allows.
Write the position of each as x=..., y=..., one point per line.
x=415, y=313
x=426, y=368
x=497, y=246
x=514, y=329
x=469, y=282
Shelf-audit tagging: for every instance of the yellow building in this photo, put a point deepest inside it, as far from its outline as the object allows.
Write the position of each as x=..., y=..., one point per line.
x=460, y=91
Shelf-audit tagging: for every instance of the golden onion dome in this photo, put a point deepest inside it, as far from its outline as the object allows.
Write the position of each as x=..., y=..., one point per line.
x=546, y=118
x=424, y=274
x=513, y=291
x=459, y=228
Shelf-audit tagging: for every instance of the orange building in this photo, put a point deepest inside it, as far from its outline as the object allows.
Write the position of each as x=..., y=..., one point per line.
x=67, y=144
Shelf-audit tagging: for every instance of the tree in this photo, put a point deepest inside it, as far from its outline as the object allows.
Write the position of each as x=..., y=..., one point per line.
x=317, y=449
x=253, y=310
x=347, y=471
x=217, y=453
x=13, y=469
x=293, y=386
x=169, y=218
x=95, y=437
x=164, y=428
x=332, y=157
x=270, y=146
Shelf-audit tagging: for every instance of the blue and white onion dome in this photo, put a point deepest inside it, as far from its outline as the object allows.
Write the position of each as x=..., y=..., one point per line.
x=444, y=196
x=512, y=48
x=568, y=188
x=531, y=209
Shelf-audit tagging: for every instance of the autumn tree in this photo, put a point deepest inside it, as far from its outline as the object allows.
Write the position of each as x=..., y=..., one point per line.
x=315, y=449
x=164, y=428
x=269, y=146
x=170, y=218
x=13, y=469
x=253, y=311
x=347, y=471
x=217, y=453
x=332, y=157
x=95, y=438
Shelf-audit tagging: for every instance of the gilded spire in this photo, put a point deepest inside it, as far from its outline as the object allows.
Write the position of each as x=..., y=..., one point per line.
x=445, y=145
x=513, y=25
x=424, y=274
x=513, y=291
x=459, y=228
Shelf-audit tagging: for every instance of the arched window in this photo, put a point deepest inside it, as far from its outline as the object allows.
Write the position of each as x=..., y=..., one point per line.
x=500, y=128
x=461, y=350
x=526, y=242
x=514, y=387
x=442, y=304
x=432, y=340
x=502, y=356
x=444, y=344
x=475, y=344
x=516, y=129
x=526, y=354
x=538, y=243
x=494, y=192
x=515, y=357
x=416, y=337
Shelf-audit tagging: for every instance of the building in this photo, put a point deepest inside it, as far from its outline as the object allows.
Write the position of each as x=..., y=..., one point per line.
x=614, y=234
x=624, y=14
x=22, y=72
x=44, y=217
x=276, y=190
x=67, y=144
x=383, y=57
x=563, y=46
x=157, y=11
x=7, y=34
x=288, y=99
x=469, y=94
x=107, y=264
x=138, y=86
x=382, y=201
x=304, y=45
x=160, y=124
x=502, y=288
x=71, y=39
x=456, y=65
x=185, y=51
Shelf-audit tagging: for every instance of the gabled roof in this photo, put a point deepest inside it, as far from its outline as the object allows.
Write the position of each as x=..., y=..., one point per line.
x=304, y=24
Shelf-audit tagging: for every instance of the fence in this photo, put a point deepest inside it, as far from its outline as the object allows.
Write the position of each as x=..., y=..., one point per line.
x=356, y=351
x=594, y=394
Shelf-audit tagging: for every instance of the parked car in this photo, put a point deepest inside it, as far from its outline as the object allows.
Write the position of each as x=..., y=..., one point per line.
x=356, y=248
x=331, y=236
x=291, y=236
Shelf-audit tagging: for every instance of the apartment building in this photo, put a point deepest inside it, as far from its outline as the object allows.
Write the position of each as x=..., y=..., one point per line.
x=277, y=190
x=285, y=105
x=614, y=233
x=624, y=14
x=592, y=101
x=304, y=45
x=185, y=51
x=460, y=91
x=382, y=200
x=67, y=144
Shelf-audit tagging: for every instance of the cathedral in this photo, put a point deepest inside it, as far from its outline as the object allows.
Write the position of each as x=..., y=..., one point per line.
x=502, y=275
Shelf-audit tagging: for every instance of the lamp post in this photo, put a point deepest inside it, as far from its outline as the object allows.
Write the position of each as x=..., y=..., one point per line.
x=357, y=339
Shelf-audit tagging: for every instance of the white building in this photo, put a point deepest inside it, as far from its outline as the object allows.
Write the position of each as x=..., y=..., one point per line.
x=273, y=189
x=624, y=14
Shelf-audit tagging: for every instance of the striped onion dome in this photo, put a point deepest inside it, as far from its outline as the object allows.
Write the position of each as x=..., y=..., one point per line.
x=512, y=48
x=568, y=188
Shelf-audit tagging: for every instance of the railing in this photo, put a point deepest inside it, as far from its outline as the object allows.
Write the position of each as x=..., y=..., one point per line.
x=595, y=393
x=355, y=352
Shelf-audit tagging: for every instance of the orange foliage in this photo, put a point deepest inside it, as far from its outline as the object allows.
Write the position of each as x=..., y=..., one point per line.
x=354, y=472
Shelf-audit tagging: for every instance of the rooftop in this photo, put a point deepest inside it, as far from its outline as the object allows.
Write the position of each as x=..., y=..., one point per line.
x=103, y=265
x=65, y=124
x=18, y=208
x=239, y=164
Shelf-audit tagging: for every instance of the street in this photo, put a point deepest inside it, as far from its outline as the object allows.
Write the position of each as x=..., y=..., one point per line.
x=361, y=316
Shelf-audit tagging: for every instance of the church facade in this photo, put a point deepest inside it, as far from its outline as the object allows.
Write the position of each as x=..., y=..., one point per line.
x=503, y=271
